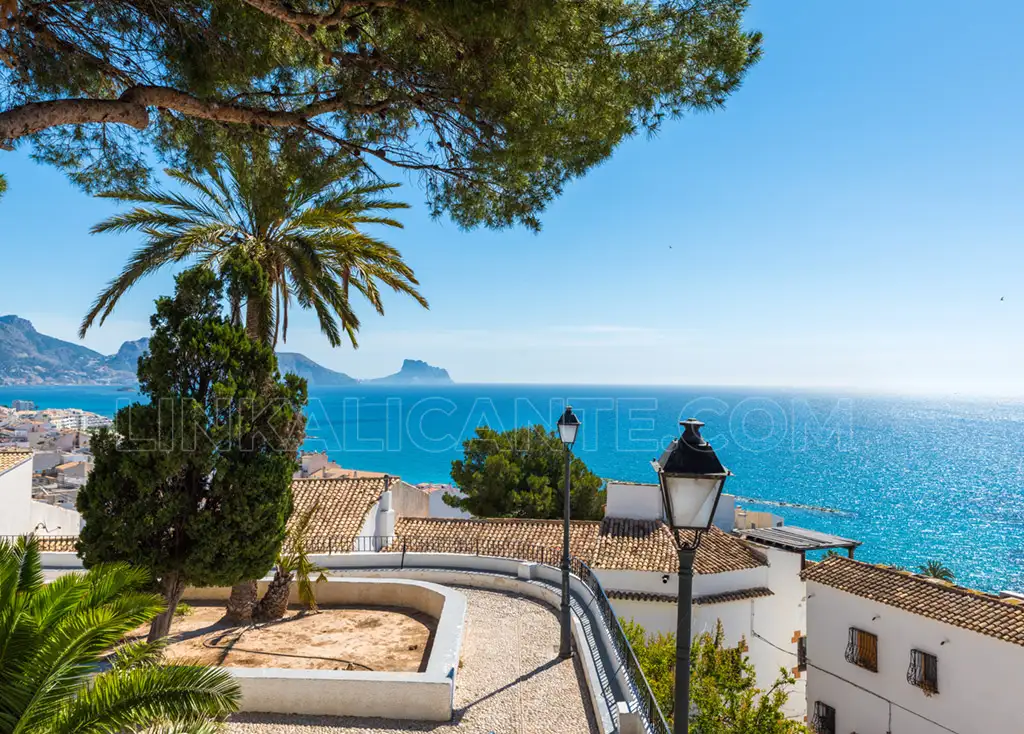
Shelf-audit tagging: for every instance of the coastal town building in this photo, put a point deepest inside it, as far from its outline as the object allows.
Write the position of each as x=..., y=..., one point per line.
x=438, y=507
x=891, y=651
x=73, y=418
x=28, y=510
x=19, y=405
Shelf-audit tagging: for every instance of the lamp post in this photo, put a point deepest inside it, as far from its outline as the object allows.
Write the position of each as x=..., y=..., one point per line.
x=691, y=479
x=568, y=427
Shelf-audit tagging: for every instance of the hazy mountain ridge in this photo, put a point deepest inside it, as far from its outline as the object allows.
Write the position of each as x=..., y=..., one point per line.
x=30, y=358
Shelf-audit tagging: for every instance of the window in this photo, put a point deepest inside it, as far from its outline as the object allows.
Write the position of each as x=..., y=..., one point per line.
x=923, y=671
x=824, y=719
x=801, y=653
x=862, y=649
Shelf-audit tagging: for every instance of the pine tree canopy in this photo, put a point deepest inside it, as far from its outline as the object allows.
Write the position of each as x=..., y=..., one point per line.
x=496, y=104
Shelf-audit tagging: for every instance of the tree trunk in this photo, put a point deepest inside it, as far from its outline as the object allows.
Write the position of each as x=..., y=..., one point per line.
x=274, y=603
x=172, y=586
x=254, y=318
x=241, y=602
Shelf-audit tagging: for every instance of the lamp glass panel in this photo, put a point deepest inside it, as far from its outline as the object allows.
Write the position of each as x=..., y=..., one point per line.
x=691, y=501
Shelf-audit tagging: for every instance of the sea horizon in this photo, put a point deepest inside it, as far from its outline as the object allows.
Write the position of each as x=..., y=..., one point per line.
x=915, y=478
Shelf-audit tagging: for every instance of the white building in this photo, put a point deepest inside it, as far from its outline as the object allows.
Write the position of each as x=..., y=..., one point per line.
x=890, y=651
x=19, y=513
x=438, y=507
x=76, y=419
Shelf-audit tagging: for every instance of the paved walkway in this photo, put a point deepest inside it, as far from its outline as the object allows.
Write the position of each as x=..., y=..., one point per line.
x=510, y=681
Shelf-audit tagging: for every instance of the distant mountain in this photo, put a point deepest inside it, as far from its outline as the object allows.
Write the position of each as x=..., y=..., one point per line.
x=315, y=374
x=30, y=358
x=415, y=372
x=127, y=357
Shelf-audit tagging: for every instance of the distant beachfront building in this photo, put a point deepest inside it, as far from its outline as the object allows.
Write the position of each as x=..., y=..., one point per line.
x=75, y=419
x=19, y=405
x=892, y=651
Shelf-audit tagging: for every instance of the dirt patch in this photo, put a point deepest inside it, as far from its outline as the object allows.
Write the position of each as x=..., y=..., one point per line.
x=338, y=638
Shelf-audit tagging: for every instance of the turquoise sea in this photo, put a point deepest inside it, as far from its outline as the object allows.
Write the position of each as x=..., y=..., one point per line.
x=913, y=478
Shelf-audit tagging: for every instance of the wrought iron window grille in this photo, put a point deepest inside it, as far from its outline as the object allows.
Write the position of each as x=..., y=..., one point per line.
x=924, y=672
x=824, y=719
x=862, y=649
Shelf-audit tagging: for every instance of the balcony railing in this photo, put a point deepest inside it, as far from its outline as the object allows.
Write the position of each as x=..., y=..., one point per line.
x=654, y=719
x=862, y=649
x=49, y=543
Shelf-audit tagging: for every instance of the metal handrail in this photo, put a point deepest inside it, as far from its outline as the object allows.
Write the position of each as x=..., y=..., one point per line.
x=647, y=703
x=521, y=551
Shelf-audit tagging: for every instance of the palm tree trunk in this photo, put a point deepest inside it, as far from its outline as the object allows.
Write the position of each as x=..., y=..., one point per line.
x=172, y=586
x=274, y=603
x=241, y=603
x=254, y=318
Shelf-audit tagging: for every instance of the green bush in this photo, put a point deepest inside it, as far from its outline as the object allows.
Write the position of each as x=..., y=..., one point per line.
x=723, y=687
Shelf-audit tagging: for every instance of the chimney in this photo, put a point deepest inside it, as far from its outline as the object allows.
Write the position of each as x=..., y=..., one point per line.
x=633, y=501
x=386, y=515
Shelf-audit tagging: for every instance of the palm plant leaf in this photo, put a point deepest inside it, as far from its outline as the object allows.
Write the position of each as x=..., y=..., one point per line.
x=53, y=636
x=936, y=570
x=303, y=229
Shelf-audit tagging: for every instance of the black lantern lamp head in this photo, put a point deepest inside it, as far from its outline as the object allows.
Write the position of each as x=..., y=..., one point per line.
x=568, y=427
x=691, y=479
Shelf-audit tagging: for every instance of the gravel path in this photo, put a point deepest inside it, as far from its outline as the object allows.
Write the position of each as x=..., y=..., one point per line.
x=510, y=681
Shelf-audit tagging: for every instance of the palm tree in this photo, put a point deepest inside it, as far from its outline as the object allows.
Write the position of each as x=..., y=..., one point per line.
x=936, y=570
x=303, y=230
x=293, y=561
x=53, y=637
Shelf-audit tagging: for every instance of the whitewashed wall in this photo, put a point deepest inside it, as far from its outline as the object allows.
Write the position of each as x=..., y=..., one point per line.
x=631, y=500
x=980, y=678
x=56, y=520
x=437, y=507
x=779, y=620
x=16, y=500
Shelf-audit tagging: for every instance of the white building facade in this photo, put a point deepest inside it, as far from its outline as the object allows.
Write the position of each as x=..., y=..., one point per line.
x=19, y=513
x=889, y=651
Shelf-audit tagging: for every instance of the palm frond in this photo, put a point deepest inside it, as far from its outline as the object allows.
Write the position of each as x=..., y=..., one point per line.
x=53, y=636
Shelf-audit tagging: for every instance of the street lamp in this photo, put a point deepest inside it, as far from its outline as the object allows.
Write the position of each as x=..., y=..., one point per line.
x=691, y=479
x=568, y=427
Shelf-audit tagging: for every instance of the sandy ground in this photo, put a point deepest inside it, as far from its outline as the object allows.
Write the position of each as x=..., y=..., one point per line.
x=510, y=681
x=338, y=638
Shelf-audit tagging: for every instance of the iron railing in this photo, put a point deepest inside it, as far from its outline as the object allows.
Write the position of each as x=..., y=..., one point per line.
x=521, y=551
x=646, y=702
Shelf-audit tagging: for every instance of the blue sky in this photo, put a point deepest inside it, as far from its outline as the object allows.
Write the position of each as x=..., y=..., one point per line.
x=851, y=219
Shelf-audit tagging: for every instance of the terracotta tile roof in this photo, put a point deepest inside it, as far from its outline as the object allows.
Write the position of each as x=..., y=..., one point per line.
x=613, y=543
x=342, y=504
x=954, y=605
x=11, y=459
x=722, y=598
x=641, y=596
x=729, y=596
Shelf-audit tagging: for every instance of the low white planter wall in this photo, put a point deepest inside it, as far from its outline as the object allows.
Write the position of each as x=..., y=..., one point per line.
x=423, y=696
